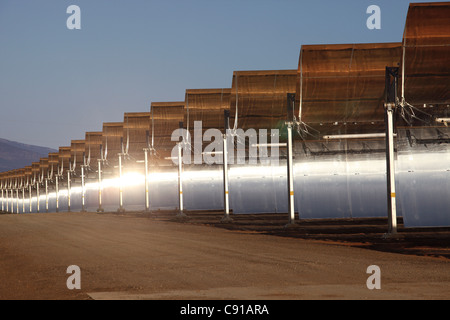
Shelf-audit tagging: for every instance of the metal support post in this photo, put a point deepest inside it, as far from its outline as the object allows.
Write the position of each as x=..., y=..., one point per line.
x=23, y=199
x=390, y=105
x=17, y=200
x=181, y=213
x=100, y=186
x=226, y=196
x=57, y=191
x=83, y=190
x=37, y=196
x=121, y=209
x=147, y=200
x=180, y=182
x=7, y=200
x=390, y=169
x=46, y=195
x=69, y=191
x=290, y=175
x=30, y=194
x=290, y=166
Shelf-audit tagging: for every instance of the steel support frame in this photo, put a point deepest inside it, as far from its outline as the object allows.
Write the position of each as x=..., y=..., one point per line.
x=100, y=186
x=226, y=196
x=121, y=208
x=147, y=198
x=180, y=213
x=290, y=164
x=390, y=105
x=83, y=188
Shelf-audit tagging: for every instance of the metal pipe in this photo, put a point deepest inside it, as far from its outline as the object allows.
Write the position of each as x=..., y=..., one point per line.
x=180, y=178
x=356, y=136
x=180, y=174
x=392, y=210
x=180, y=181
x=226, y=198
x=262, y=145
x=301, y=87
x=153, y=130
x=290, y=175
x=390, y=103
x=290, y=168
x=443, y=120
x=403, y=71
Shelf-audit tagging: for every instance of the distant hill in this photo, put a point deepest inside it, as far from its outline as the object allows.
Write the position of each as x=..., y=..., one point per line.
x=15, y=155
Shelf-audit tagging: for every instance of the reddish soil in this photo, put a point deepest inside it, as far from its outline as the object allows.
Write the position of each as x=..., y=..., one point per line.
x=157, y=256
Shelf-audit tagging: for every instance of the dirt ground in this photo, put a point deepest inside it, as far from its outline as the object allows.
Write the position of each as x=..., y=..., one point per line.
x=156, y=256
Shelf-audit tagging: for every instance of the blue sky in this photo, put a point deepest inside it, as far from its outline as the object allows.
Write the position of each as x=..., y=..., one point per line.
x=56, y=83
